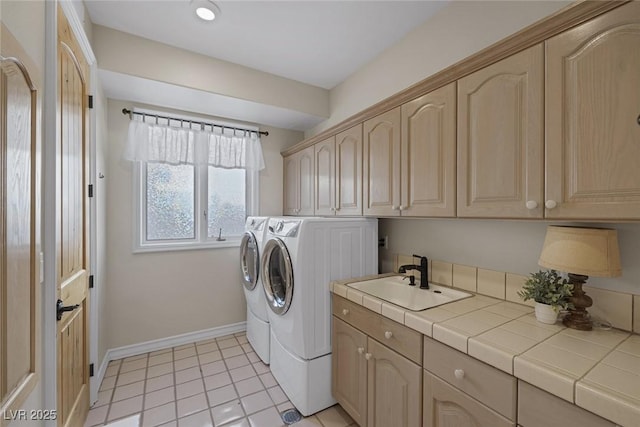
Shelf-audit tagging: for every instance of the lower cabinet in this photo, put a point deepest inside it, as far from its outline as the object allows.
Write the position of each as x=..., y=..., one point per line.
x=556, y=412
x=446, y=406
x=375, y=384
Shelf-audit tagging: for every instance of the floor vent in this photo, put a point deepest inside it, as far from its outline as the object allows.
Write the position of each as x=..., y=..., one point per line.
x=291, y=416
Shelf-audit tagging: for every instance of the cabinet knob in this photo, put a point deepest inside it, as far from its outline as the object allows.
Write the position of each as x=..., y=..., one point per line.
x=368, y=356
x=459, y=374
x=401, y=207
x=388, y=334
x=333, y=209
x=394, y=207
x=531, y=204
x=345, y=311
x=550, y=204
x=360, y=350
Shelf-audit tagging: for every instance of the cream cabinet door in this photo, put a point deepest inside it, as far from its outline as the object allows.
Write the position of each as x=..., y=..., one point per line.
x=446, y=406
x=381, y=164
x=291, y=183
x=307, y=173
x=428, y=153
x=500, y=138
x=349, y=172
x=394, y=385
x=593, y=118
x=325, y=177
x=299, y=182
x=349, y=370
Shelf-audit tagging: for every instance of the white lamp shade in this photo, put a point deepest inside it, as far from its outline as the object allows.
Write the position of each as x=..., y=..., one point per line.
x=586, y=251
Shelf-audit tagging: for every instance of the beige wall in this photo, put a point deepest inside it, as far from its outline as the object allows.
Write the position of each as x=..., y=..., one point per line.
x=455, y=32
x=511, y=246
x=121, y=52
x=157, y=295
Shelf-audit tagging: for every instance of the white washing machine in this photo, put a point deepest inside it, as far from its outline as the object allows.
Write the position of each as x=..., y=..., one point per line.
x=301, y=257
x=258, y=330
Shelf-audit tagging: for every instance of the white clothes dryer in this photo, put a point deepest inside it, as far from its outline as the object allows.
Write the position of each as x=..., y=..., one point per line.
x=300, y=258
x=258, y=330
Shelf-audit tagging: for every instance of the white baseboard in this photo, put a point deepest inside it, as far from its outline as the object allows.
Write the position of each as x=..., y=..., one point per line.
x=162, y=343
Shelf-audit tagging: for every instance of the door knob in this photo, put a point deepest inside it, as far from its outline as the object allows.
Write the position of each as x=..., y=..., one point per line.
x=60, y=309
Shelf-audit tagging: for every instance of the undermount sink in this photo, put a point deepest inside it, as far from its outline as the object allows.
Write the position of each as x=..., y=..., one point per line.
x=397, y=291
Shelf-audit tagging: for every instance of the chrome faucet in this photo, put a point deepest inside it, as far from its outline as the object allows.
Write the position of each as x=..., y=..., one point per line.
x=423, y=268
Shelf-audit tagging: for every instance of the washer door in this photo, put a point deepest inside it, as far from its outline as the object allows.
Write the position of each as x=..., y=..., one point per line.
x=249, y=260
x=277, y=276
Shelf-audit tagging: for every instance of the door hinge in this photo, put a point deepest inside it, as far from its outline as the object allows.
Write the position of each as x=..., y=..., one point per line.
x=91, y=281
x=90, y=101
x=91, y=369
x=90, y=190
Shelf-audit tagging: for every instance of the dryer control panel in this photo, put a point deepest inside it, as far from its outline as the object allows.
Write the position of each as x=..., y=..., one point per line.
x=284, y=227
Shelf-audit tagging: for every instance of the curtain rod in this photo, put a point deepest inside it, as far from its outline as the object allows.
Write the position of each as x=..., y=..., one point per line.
x=157, y=116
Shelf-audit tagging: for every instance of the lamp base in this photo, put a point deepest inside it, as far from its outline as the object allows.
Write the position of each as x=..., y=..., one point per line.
x=578, y=317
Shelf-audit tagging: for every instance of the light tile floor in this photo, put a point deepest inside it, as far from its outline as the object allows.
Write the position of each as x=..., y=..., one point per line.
x=218, y=382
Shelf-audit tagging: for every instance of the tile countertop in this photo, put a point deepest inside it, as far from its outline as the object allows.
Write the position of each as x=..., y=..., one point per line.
x=597, y=370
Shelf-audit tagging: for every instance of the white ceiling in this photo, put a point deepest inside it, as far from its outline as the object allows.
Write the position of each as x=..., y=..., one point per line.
x=315, y=42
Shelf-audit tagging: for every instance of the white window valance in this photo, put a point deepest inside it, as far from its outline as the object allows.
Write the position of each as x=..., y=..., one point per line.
x=220, y=147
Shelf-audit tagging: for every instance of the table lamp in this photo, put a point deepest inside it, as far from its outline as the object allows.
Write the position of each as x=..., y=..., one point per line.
x=581, y=252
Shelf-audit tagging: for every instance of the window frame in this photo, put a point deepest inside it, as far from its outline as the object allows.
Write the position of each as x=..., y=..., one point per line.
x=201, y=194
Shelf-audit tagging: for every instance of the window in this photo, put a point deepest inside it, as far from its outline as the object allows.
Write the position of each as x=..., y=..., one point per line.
x=192, y=205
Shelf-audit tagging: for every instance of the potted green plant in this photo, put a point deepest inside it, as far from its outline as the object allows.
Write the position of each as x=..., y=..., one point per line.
x=551, y=293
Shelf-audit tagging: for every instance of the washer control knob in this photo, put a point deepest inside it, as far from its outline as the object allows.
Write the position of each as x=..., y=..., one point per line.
x=388, y=334
x=459, y=374
x=280, y=226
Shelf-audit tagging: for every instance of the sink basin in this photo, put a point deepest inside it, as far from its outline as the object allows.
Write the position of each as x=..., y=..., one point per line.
x=397, y=291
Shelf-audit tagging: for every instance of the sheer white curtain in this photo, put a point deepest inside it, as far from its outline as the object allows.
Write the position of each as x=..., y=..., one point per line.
x=219, y=147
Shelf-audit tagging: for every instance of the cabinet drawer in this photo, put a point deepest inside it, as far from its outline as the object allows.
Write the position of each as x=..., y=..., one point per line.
x=398, y=337
x=490, y=386
x=445, y=405
x=557, y=412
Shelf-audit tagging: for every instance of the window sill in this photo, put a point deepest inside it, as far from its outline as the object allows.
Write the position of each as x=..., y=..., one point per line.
x=173, y=247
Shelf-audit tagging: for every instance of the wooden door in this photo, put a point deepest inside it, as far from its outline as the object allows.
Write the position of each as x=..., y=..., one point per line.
x=19, y=272
x=429, y=154
x=349, y=370
x=446, y=406
x=306, y=168
x=73, y=244
x=394, y=385
x=349, y=172
x=291, y=184
x=325, y=181
x=593, y=118
x=381, y=164
x=500, y=138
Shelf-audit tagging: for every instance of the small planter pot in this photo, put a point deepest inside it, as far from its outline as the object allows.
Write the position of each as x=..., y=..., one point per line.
x=546, y=314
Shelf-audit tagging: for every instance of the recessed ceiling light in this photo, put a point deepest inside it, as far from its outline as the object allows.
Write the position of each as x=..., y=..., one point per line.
x=205, y=9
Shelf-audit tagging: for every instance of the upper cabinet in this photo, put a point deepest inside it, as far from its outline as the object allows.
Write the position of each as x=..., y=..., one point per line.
x=298, y=183
x=593, y=118
x=338, y=174
x=381, y=164
x=409, y=158
x=551, y=131
x=428, y=154
x=500, y=138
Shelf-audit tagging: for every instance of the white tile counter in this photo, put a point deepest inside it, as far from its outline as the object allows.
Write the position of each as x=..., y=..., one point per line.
x=597, y=370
